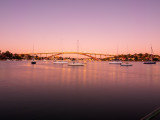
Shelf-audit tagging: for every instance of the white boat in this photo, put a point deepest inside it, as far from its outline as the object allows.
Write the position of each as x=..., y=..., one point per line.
x=151, y=59
x=126, y=64
x=75, y=64
x=115, y=62
x=60, y=62
x=44, y=60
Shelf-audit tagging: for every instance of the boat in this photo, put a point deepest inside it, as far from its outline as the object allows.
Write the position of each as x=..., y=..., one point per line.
x=45, y=60
x=125, y=64
x=149, y=62
x=151, y=59
x=117, y=61
x=76, y=63
x=33, y=61
x=60, y=62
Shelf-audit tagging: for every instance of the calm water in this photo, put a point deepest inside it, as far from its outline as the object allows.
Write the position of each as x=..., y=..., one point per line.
x=98, y=90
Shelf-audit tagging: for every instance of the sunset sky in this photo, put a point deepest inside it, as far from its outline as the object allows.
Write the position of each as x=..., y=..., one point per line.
x=101, y=26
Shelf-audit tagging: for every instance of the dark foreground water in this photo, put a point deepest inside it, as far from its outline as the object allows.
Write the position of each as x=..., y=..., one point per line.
x=96, y=91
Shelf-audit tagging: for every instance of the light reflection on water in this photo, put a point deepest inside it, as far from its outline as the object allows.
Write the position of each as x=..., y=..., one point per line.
x=97, y=90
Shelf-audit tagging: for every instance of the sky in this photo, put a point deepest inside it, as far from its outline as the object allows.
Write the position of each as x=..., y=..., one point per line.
x=101, y=26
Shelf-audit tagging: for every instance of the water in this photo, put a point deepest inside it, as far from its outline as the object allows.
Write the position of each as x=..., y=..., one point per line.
x=96, y=91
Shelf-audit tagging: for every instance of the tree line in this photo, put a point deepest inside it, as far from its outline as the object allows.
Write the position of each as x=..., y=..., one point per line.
x=8, y=55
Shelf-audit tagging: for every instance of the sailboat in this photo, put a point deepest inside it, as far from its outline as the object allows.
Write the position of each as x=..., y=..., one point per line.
x=76, y=63
x=151, y=59
x=116, y=61
x=33, y=61
x=126, y=63
x=60, y=61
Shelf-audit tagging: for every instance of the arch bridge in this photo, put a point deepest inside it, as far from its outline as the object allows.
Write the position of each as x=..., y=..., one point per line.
x=93, y=56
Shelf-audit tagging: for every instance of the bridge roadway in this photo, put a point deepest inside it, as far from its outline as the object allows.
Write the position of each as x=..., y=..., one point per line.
x=91, y=55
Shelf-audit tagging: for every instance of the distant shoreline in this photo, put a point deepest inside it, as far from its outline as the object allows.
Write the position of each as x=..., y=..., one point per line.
x=123, y=57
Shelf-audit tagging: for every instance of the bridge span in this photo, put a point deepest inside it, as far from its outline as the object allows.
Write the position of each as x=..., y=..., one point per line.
x=95, y=56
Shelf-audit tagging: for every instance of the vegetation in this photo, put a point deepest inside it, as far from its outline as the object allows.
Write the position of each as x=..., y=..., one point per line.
x=8, y=55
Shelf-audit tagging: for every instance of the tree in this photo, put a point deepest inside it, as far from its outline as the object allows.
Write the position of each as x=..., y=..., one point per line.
x=155, y=59
x=140, y=55
x=16, y=56
x=7, y=55
x=136, y=58
x=0, y=55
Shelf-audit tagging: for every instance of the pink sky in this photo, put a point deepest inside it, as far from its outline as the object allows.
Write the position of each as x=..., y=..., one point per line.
x=99, y=25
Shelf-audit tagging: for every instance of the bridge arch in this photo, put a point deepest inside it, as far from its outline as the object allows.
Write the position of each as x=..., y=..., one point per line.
x=52, y=54
x=80, y=53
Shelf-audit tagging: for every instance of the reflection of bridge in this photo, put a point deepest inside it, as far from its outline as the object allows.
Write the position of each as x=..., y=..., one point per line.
x=90, y=55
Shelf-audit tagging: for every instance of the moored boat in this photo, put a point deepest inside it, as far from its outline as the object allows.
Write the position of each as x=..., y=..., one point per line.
x=126, y=64
x=150, y=61
x=76, y=64
x=33, y=62
x=60, y=62
x=117, y=61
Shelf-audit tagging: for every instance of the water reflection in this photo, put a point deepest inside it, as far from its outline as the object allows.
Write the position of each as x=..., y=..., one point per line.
x=97, y=87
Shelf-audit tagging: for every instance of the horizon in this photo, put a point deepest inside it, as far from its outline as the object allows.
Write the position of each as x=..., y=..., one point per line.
x=100, y=26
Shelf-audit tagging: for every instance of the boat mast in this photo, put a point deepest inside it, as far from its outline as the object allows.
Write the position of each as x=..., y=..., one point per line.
x=62, y=49
x=151, y=53
x=33, y=52
x=77, y=49
x=117, y=52
x=127, y=53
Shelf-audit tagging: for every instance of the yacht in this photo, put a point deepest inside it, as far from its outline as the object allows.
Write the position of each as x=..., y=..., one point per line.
x=125, y=64
x=8, y=60
x=45, y=60
x=149, y=62
x=116, y=61
x=76, y=63
x=60, y=62
x=33, y=62
x=151, y=59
